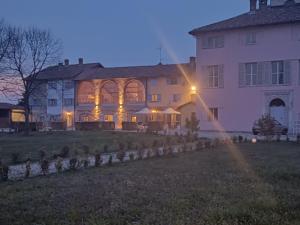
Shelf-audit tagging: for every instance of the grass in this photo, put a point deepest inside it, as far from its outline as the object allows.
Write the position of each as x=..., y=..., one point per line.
x=52, y=143
x=206, y=187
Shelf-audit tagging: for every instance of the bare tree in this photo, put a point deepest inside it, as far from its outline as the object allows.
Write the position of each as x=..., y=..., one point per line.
x=31, y=50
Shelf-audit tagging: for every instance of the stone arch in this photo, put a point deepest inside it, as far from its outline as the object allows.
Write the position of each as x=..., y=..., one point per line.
x=86, y=92
x=109, y=92
x=134, y=92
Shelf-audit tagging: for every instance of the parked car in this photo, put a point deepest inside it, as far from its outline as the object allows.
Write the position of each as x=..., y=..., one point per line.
x=279, y=128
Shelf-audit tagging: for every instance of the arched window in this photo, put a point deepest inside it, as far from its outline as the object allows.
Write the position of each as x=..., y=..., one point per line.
x=86, y=92
x=277, y=102
x=109, y=93
x=134, y=92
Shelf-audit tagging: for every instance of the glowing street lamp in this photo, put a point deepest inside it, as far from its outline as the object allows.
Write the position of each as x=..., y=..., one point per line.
x=193, y=90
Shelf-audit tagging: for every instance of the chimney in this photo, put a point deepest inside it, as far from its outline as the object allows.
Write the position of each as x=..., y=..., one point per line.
x=253, y=4
x=80, y=61
x=66, y=62
x=263, y=4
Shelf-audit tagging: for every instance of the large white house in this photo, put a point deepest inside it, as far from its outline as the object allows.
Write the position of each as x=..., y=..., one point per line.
x=249, y=65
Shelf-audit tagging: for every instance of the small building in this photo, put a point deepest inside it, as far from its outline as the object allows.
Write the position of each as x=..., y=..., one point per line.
x=10, y=116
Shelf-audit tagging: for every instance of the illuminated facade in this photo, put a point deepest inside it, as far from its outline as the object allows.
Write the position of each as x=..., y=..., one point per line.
x=111, y=95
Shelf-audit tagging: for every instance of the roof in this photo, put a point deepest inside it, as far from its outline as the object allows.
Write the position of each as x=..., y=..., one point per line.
x=136, y=71
x=271, y=15
x=4, y=105
x=66, y=71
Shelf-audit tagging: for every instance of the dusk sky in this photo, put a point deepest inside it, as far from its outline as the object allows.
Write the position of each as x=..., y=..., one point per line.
x=121, y=33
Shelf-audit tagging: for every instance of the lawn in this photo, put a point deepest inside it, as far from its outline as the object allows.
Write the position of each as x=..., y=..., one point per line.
x=207, y=187
x=52, y=143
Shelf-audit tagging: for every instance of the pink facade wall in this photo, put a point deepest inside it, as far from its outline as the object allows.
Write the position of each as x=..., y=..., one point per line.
x=240, y=107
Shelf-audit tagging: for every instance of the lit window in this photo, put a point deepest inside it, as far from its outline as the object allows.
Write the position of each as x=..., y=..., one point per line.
x=155, y=98
x=133, y=119
x=251, y=38
x=251, y=74
x=134, y=92
x=278, y=73
x=85, y=119
x=213, y=114
x=52, y=102
x=108, y=118
x=17, y=116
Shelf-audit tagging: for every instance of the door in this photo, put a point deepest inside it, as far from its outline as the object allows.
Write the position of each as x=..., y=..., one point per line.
x=69, y=121
x=278, y=111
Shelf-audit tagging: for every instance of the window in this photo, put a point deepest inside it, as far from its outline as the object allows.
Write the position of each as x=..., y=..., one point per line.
x=108, y=118
x=36, y=102
x=155, y=98
x=68, y=101
x=133, y=119
x=176, y=97
x=85, y=119
x=86, y=92
x=213, y=76
x=278, y=73
x=134, y=92
x=52, y=85
x=251, y=38
x=110, y=93
x=172, y=81
x=213, y=114
x=251, y=74
x=68, y=84
x=153, y=82
x=17, y=116
x=213, y=42
x=52, y=102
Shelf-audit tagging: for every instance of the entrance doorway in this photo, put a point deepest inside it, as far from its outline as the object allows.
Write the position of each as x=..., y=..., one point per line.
x=69, y=121
x=278, y=111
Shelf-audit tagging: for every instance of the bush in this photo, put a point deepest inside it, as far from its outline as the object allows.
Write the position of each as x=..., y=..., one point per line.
x=27, y=168
x=64, y=153
x=266, y=125
x=15, y=157
x=98, y=160
x=241, y=139
x=105, y=148
x=45, y=166
x=3, y=171
x=58, y=164
x=298, y=138
x=85, y=163
x=73, y=163
x=131, y=156
x=110, y=160
x=121, y=155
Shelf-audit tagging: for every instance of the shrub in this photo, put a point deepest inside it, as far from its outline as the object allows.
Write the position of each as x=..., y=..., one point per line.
x=73, y=163
x=27, y=168
x=105, y=148
x=110, y=160
x=98, y=160
x=58, y=164
x=241, y=139
x=266, y=125
x=3, y=171
x=121, y=155
x=15, y=157
x=131, y=156
x=298, y=138
x=85, y=163
x=42, y=154
x=64, y=153
x=45, y=166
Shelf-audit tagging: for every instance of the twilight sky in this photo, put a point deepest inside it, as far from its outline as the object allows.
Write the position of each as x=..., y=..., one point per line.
x=121, y=32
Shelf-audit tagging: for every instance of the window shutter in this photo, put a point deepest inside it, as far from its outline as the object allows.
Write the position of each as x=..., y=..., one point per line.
x=260, y=72
x=221, y=76
x=159, y=97
x=287, y=72
x=242, y=74
x=267, y=73
x=204, y=76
